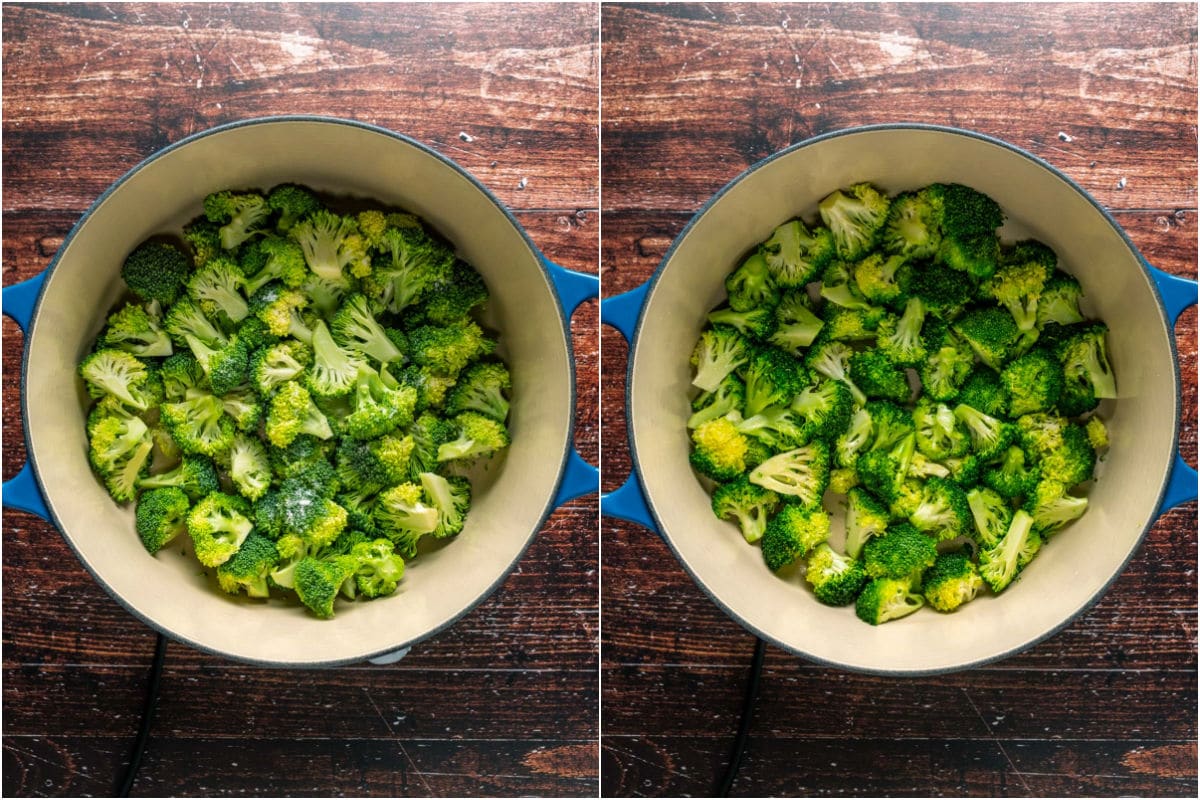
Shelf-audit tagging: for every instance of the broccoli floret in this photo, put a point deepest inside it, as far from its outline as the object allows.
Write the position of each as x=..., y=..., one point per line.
x=939, y=435
x=757, y=323
x=482, y=388
x=226, y=363
x=842, y=480
x=826, y=407
x=855, y=217
x=964, y=470
x=281, y=310
x=156, y=270
x=1097, y=434
x=900, y=338
x=1052, y=508
x=852, y=324
x=160, y=516
x=447, y=349
x=729, y=397
x=249, y=466
x=944, y=292
x=877, y=278
x=477, y=436
x=802, y=473
x=204, y=239
x=886, y=599
x=119, y=374
x=377, y=408
x=432, y=386
x=136, y=332
x=795, y=255
x=282, y=260
x=991, y=332
x=943, y=512
x=776, y=428
x=839, y=288
x=879, y=376
x=901, y=552
x=180, y=373
x=949, y=365
x=274, y=365
x=718, y=352
x=451, y=497
x=891, y=422
x=1084, y=357
x=185, y=319
x=751, y=286
x=219, y=525
x=404, y=516
x=195, y=475
x=291, y=413
x=411, y=262
x=859, y=435
x=217, y=286
x=199, y=424
x=334, y=370
x=718, y=450
x=1018, y=284
x=989, y=435
x=991, y=515
x=331, y=245
x=291, y=202
x=254, y=332
x=318, y=581
x=751, y=505
x=913, y=226
x=247, y=570
x=355, y=327
x=1000, y=564
x=836, y=579
x=1059, y=302
x=969, y=222
x=241, y=215
x=832, y=359
x=453, y=298
x=379, y=568
x=983, y=390
x=796, y=326
x=1073, y=462
x=428, y=433
x=951, y=581
x=772, y=377
x=792, y=533
x=866, y=517
x=1013, y=477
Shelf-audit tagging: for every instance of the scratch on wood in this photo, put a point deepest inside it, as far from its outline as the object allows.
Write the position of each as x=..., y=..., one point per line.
x=996, y=741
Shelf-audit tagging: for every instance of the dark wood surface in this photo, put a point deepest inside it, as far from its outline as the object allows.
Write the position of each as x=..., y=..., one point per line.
x=504, y=702
x=694, y=94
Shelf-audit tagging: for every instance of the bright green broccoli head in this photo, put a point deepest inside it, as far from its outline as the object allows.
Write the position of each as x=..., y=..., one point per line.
x=836, y=579
x=951, y=581
x=773, y=377
x=826, y=407
x=482, y=387
x=751, y=286
x=914, y=224
x=866, y=517
x=792, y=533
x=1014, y=476
x=451, y=496
x=801, y=474
x=991, y=515
x=991, y=332
x=291, y=202
x=109, y=371
x=447, y=349
x=199, y=425
x=248, y=568
x=219, y=525
x=718, y=450
x=293, y=412
x=718, y=352
x=999, y=565
x=241, y=215
x=156, y=270
x=886, y=599
x=943, y=512
x=856, y=217
x=137, y=332
x=195, y=475
x=749, y=504
x=795, y=255
x=160, y=516
x=903, y=552
x=879, y=375
x=477, y=436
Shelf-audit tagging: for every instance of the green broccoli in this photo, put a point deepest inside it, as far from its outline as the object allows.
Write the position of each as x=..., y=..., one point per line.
x=272, y=366
x=219, y=525
x=836, y=579
x=982, y=390
x=751, y=286
x=1018, y=284
x=943, y=292
x=795, y=325
x=199, y=424
x=1052, y=508
x=109, y=371
x=758, y=324
x=379, y=568
x=838, y=286
x=447, y=349
x=750, y=504
x=902, y=552
x=160, y=516
x=481, y=388
x=204, y=239
x=249, y=466
x=968, y=225
x=948, y=366
x=195, y=475
x=1001, y=563
x=282, y=311
x=318, y=581
x=1013, y=476
x=138, y=333
x=944, y=512
x=718, y=352
x=991, y=332
x=879, y=376
x=776, y=428
x=801, y=473
x=772, y=377
x=291, y=413
x=451, y=497
x=1097, y=434
x=248, y=568
x=225, y=362
x=1084, y=357
x=826, y=407
x=951, y=581
x=939, y=434
x=282, y=261
x=991, y=514
x=718, y=449
x=1059, y=302
x=832, y=359
x=241, y=215
x=156, y=270
x=477, y=436
x=886, y=599
x=795, y=255
x=292, y=202
x=792, y=533
x=217, y=287
x=728, y=398
x=914, y=224
x=990, y=436
x=853, y=324
x=866, y=517
x=411, y=262
x=404, y=517
x=856, y=218
x=877, y=278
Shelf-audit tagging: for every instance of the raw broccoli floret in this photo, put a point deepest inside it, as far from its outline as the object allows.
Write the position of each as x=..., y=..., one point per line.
x=856, y=217
x=1014, y=476
x=410, y=262
x=293, y=412
x=282, y=260
x=195, y=475
x=943, y=512
x=180, y=373
x=225, y=362
x=951, y=581
x=842, y=480
x=796, y=255
x=826, y=407
x=802, y=473
x=832, y=359
x=451, y=497
x=796, y=326
x=247, y=570
x=772, y=376
x=792, y=533
x=378, y=409
x=1059, y=302
x=989, y=435
x=751, y=505
x=939, y=434
x=751, y=286
x=757, y=323
x=892, y=424
x=109, y=371
x=135, y=331
x=865, y=517
x=1018, y=284
x=728, y=398
x=991, y=332
x=204, y=239
x=914, y=224
x=249, y=466
x=428, y=433
x=156, y=270
x=886, y=599
x=332, y=246
x=964, y=470
x=404, y=516
x=1084, y=357
x=1052, y=508
x=901, y=552
x=241, y=215
x=879, y=376
x=1000, y=564
x=199, y=424
x=900, y=338
x=219, y=525
x=355, y=327
x=718, y=449
x=456, y=295
x=291, y=202
x=1073, y=462
x=448, y=348
x=718, y=352
x=160, y=516
x=877, y=278
x=477, y=436
x=217, y=287
x=991, y=515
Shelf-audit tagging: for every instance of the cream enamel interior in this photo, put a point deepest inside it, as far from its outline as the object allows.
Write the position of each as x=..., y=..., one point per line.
x=168, y=590
x=1071, y=571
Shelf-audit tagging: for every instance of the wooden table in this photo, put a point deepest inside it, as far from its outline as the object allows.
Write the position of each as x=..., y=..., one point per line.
x=693, y=95
x=505, y=701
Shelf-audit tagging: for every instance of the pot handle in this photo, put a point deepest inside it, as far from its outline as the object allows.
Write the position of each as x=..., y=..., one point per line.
x=622, y=312
x=22, y=492
x=579, y=477
x=1177, y=294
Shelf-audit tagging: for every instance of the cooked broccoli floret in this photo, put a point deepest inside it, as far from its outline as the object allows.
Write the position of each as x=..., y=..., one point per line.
x=199, y=424
x=247, y=570
x=795, y=255
x=832, y=359
x=853, y=324
x=796, y=326
x=983, y=390
x=378, y=570
x=951, y=581
x=355, y=327
x=274, y=365
x=332, y=246
x=219, y=525
x=161, y=515
x=282, y=260
x=249, y=466
x=718, y=449
x=447, y=349
x=1018, y=284
x=293, y=412
x=241, y=215
x=1000, y=564
x=944, y=292
x=948, y=366
x=969, y=222
x=757, y=323
x=839, y=288
x=718, y=352
x=114, y=372
x=826, y=407
x=842, y=480
x=1013, y=477
x=913, y=227
x=204, y=239
x=989, y=435
x=775, y=428
x=482, y=388
x=943, y=512
x=156, y=270
x=180, y=373
x=1097, y=434
x=865, y=517
x=451, y=497
x=886, y=599
x=991, y=333
x=404, y=516
x=879, y=375
x=225, y=362
x=901, y=552
x=751, y=505
x=877, y=278
x=1084, y=357
x=477, y=436
x=411, y=261
x=792, y=533
x=855, y=217
x=939, y=435
x=137, y=332
x=428, y=433
x=456, y=295
x=836, y=579
x=729, y=397
x=291, y=202
x=801, y=473
x=772, y=376
x=1052, y=508
x=1059, y=302
x=195, y=475
x=900, y=338
x=991, y=515
x=318, y=581
x=217, y=287
x=751, y=286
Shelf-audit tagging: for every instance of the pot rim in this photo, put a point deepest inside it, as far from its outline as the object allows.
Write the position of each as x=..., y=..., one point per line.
x=696, y=218
x=536, y=257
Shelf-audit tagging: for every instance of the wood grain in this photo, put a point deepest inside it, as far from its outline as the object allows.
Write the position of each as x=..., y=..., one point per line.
x=696, y=93
x=502, y=703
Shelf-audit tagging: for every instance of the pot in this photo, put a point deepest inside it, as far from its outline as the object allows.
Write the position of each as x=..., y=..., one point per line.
x=62, y=309
x=1141, y=477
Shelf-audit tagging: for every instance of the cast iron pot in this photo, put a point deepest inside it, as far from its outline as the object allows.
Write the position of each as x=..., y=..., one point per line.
x=62, y=309
x=1141, y=477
